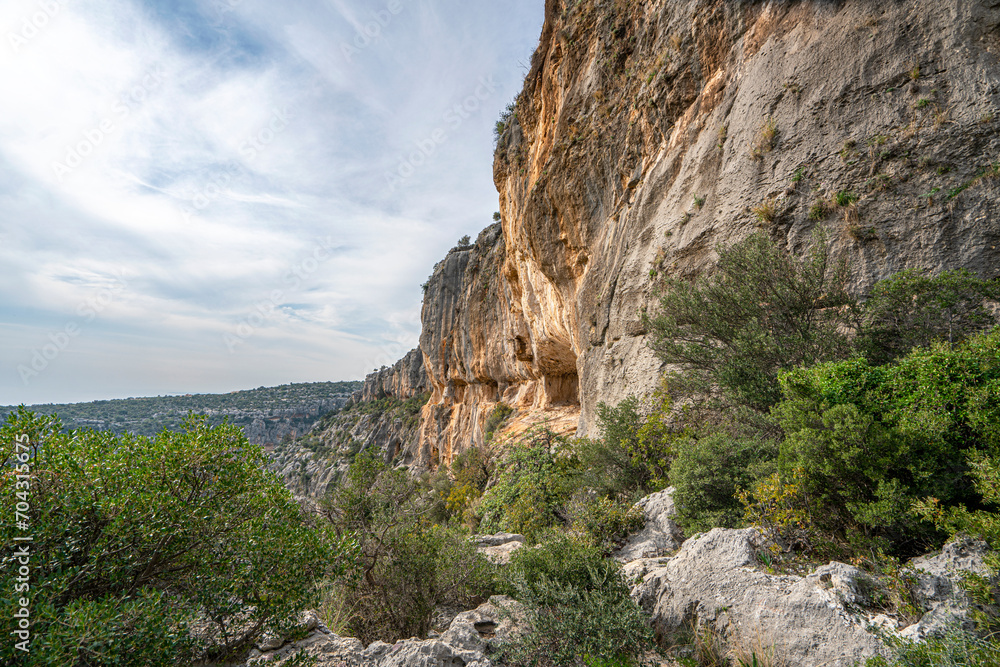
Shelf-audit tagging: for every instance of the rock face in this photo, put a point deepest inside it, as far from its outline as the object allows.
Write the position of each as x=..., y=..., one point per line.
x=649, y=132
x=499, y=547
x=712, y=581
x=825, y=618
x=465, y=643
x=383, y=416
x=937, y=589
x=660, y=536
x=404, y=379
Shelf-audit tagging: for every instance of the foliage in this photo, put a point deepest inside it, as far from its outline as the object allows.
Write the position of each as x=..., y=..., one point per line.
x=497, y=418
x=605, y=521
x=136, y=537
x=507, y=116
x=953, y=648
x=761, y=312
x=871, y=440
x=531, y=485
x=577, y=608
x=406, y=565
x=710, y=471
x=636, y=446
x=471, y=471
x=912, y=309
x=985, y=471
x=781, y=508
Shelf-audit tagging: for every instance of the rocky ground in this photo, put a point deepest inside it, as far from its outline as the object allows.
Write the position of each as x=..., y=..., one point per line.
x=717, y=581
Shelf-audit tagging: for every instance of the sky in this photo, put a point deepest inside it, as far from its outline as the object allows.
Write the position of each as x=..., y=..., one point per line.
x=202, y=196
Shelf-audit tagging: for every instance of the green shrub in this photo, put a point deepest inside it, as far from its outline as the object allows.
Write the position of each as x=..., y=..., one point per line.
x=496, y=420
x=871, y=440
x=577, y=608
x=531, y=486
x=406, y=565
x=633, y=454
x=761, y=312
x=708, y=473
x=954, y=648
x=135, y=538
x=605, y=521
x=911, y=309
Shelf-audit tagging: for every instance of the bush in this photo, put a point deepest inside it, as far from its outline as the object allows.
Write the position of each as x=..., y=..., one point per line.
x=496, y=420
x=605, y=521
x=709, y=472
x=531, y=487
x=954, y=648
x=135, y=538
x=871, y=440
x=633, y=455
x=577, y=607
x=763, y=311
x=406, y=565
x=911, y=309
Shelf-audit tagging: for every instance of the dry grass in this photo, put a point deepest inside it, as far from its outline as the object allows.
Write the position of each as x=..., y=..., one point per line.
x=764, y=141
x=335, y=611
x=766, y=211
x=756, y=651
x=819, y=210
x=941, y=116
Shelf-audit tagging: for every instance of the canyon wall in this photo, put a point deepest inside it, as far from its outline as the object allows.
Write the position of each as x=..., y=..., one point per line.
x=648, y=133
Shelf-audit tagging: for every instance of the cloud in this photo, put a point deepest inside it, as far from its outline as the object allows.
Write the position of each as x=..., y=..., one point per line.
x=209, y=158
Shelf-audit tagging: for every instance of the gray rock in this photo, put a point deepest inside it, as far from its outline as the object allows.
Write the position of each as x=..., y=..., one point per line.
x=498, y=548
x=938, y=588
x=464, y=644
x=660, y=535
x=712, y=582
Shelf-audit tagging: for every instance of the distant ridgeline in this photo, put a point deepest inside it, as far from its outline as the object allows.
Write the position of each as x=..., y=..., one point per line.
x=267, y=414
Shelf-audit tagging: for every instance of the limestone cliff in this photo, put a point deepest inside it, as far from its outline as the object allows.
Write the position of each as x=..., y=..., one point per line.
x=647, y=133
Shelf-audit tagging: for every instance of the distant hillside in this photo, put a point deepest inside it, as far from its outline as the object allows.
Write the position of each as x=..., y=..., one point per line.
x=266, y=414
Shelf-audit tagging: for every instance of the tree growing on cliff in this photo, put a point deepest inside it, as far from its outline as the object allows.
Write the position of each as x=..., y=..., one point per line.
x=760, y=312
x=136, y=538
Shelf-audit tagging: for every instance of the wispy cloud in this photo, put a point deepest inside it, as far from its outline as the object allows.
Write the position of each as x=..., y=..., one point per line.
x=206, y=148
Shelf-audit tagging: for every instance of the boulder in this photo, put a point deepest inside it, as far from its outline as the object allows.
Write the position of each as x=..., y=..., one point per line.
x=659, y=536
x=499, y=547
x=714, y=581
x=938, y=590
x=465, y=643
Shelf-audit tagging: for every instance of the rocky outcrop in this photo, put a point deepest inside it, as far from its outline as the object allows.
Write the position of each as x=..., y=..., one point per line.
x=404, y=379
x=383, y=416
x=499, y=547
x=937, y=588
x=660, y=535
x=466, y=643
x=830, y=617
x=648, y=133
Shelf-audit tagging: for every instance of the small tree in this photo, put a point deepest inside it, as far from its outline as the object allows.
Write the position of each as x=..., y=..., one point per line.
x=762, y=311
x=912, y=309
x=135, y=539
x=406, y=565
